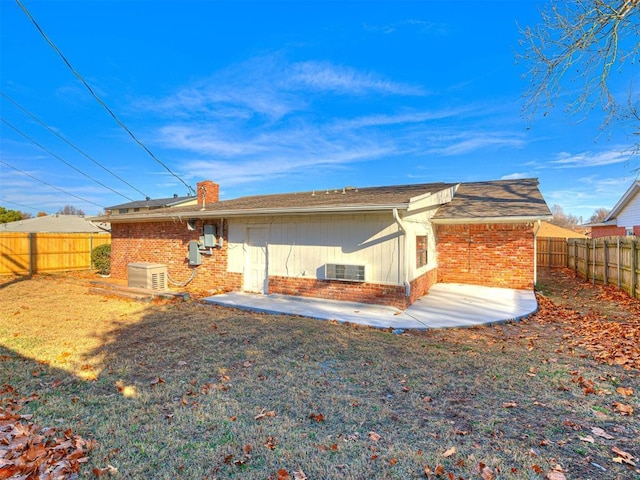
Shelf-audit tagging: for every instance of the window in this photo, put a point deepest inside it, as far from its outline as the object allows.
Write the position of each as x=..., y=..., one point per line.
x=123, y=210
x=421, y=250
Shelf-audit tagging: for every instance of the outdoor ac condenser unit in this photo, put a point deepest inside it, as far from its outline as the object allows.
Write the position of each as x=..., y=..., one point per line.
x=152, y=276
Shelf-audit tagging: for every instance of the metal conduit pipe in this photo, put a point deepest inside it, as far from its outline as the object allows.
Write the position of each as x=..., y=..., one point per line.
x=407, y=285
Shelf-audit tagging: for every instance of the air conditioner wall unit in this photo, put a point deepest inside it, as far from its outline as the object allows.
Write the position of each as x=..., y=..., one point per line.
x=152, y=276
x=353, y=273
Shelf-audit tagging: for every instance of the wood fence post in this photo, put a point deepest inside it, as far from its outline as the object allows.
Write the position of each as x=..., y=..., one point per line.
x=605, y=256
x=595, y=251
x=575, y=256
x=549, y=251
x=31, y=253
x=619, y=274
x=90, y=250
x=634, y=266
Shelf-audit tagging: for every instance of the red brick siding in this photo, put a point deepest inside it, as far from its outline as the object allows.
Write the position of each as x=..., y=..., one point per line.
x=496, y=255
x=608, y=231
x=392, y=295
x=636, y=230
x=208, y=189
x=421, y=285
x=167, y=243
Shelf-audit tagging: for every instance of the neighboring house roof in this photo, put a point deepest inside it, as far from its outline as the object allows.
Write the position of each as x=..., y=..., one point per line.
x=554, y=231
x=627, y=197
x=154, y=202
x=55, y=224
x=514, y=199
x=495, y=201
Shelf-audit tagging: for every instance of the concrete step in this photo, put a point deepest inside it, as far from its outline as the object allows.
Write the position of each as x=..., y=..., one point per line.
x=139, y=294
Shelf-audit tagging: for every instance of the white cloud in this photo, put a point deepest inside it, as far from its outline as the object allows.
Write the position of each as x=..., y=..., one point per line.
x=591, y=159
x=474, y=141
x=516, y=176
x=325, y=76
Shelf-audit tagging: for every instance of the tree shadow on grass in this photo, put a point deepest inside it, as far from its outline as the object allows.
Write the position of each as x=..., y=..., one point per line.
x=195, y=391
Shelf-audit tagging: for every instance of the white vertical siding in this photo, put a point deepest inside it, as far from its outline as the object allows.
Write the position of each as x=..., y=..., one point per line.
x=300, y=246
x=630, y=214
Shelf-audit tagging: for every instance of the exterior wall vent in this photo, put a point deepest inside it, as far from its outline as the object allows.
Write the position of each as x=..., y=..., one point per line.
x=333, y=271
x=152, y=276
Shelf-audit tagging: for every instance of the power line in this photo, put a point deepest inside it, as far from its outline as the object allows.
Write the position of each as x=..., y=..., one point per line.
x=69, y=143
x=18, y=204
x=99, y=100
x=52, y=186
x=64, y=161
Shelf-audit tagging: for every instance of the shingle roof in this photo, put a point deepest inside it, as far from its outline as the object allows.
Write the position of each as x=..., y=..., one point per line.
x=55, y=224
x=495, y=199
x=153, y=203
x=349, y=196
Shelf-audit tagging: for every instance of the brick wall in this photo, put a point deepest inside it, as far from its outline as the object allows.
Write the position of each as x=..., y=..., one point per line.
x=421, y=285
x=608, y=231
x=167, y=243
x=392, y=295
x=209, y=190
x=496, y=255
x=636, y=230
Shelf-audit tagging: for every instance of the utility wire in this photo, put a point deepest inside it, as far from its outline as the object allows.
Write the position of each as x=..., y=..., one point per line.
x=99, y=100
x=64, y=161
x=18, y=204
x=52, y=186
x=69, y=143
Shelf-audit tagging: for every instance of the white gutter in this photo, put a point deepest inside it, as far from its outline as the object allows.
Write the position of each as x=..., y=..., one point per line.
x=535, y=254
x=407, y=285
x=169, y=215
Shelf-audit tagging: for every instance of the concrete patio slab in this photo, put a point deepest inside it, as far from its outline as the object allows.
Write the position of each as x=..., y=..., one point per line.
x=446, y=305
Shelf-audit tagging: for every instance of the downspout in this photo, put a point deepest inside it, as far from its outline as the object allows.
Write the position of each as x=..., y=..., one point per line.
x=535, y=254
x=407, y=285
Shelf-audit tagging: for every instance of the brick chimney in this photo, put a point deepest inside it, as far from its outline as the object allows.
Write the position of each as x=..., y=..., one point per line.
x=208, y=191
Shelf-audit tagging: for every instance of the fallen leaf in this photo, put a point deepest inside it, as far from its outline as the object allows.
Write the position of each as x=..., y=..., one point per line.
x=439, y=469
x=601, y=433
x=626, y=391
x=264, y=413
x=283, y=474
x=536, y=468
x=393, y=461
x=588, y=439
x=623, y=408
x=623, y=457
x=449, y=452
x=487, y=474
x=317, y=417
x=299, y=475
x=374, y=437
x=156, y=381
x=556, y=473
x=509, y=404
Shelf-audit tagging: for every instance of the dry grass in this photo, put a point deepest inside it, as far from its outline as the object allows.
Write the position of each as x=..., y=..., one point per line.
x=173, y=391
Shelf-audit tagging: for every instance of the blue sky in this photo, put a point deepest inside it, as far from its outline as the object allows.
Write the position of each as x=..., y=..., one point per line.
x=268, y=97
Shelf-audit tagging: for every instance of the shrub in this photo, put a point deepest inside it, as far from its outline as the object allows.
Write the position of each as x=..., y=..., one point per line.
x=101, y=259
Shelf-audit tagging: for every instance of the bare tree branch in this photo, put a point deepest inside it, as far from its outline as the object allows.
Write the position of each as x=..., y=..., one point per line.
x=575, y=51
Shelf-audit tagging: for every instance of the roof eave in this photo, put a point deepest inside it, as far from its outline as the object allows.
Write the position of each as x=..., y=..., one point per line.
x=626, y=197
x=475, y=220
x=250, y=212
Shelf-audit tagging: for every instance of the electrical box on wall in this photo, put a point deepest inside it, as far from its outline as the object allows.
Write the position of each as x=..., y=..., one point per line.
x=209, y=239
x=195, y=257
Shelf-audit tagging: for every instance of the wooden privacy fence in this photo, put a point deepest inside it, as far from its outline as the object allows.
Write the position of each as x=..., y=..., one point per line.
x=608, y=260
x=551, y=252
x=29, y=253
